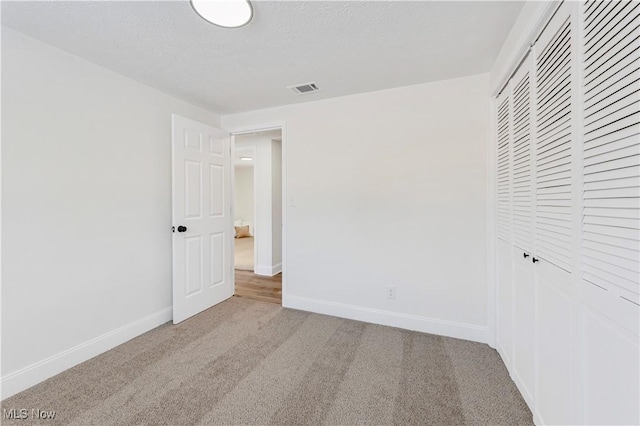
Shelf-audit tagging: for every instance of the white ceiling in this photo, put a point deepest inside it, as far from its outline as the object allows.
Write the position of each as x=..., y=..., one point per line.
x=245, y=145
x=244, y=152
x=346, y=47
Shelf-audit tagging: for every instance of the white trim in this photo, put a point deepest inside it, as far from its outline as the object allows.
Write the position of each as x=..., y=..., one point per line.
x=232, y=212
x=528, y=399
x=492, y=295
x=262, y=270
x=472, y=332
x=256, y=238
x=37, y=372
x=267, y=270
x=530, y=23
x=276, y=269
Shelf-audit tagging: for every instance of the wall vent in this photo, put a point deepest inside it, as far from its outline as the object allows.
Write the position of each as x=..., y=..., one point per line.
x=305, y=88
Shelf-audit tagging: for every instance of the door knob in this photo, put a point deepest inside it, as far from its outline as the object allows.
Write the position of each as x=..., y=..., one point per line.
x=182, y=228
x=535, y=260
x=525, y=255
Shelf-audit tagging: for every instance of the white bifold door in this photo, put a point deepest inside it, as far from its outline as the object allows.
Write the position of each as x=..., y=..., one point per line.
x=567, y=216
x=202, y=269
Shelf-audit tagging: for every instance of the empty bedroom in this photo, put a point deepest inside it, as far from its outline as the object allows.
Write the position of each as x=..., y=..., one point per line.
x=248, y=212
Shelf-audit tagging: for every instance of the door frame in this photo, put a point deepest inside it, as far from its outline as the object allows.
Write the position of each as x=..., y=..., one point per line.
x=243, y=130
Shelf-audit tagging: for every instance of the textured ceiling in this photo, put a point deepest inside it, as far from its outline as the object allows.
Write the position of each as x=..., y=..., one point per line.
x=346, y=47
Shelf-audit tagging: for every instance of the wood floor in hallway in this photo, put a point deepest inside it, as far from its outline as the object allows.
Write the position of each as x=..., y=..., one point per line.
x=259, y=287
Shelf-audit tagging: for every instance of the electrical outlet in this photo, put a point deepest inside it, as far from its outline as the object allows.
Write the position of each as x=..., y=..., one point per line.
x=391, y=292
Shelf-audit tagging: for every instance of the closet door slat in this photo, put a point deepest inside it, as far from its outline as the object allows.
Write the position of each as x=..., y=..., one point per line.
x=623, y=106
x=612, y=24
x=602, y=211
x=609, y=250
x=611, y=156
x=609, y=89
x=611, y=172
x=503, y=225
x=610, y=240
x=553, y=188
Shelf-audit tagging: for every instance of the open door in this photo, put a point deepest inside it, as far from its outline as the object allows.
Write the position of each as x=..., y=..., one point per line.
x=202, y=239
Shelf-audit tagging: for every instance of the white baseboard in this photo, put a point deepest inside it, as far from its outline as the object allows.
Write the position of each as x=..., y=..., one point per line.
x=537, y=420
x=528, y=399
x=268, y=271
x=506, y=360
x=35, y=373
x=475, y=333
x=262, y=270
x=276, y=269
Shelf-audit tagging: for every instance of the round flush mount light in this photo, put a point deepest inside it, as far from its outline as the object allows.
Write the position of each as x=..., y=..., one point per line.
x=246, y=158
x=224, y=13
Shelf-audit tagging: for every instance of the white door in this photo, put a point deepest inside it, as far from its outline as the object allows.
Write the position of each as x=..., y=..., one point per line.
x=522, y=229
x=504, y=332
x=202, y=274
x=555, y=227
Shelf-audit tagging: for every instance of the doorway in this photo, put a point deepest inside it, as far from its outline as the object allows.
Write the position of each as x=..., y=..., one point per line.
x=258, y=214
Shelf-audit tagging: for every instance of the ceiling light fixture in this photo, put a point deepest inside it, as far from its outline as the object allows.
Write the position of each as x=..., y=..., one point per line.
x=246, y=158
x=224, y=13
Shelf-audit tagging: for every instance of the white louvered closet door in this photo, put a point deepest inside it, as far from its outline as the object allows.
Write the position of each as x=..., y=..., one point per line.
x=568, y=193
x=553, y=146
x=504, y=167
x=522, y=215
x=611, y=211
x=522, y=232
x=611, y=174
x=504, y=290
x=555, y=225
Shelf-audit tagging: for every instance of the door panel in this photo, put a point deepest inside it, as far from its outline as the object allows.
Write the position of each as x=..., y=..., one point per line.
x=202, y=273
x=554, y=132
x=216, y=200
x=522, y=96
x=505, y=301
x=193, y=189
x=217, y=258
x=193, y=263
x=556, y=339
x=524, y=298
x=612, y=372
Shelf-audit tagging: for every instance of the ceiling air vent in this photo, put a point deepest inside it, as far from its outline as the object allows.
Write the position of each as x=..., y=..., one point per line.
x=303, y=89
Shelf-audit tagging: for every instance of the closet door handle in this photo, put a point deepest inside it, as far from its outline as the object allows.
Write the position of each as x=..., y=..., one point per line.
x=525, y=255
x=535, y=260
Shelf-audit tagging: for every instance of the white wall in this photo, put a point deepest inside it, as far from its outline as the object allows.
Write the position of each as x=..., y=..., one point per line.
x=243, y=180
x=388, y=188
x=86, y=163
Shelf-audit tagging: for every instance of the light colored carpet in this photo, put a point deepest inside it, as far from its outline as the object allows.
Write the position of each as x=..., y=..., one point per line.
x=244, y=253
x=254, y=363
